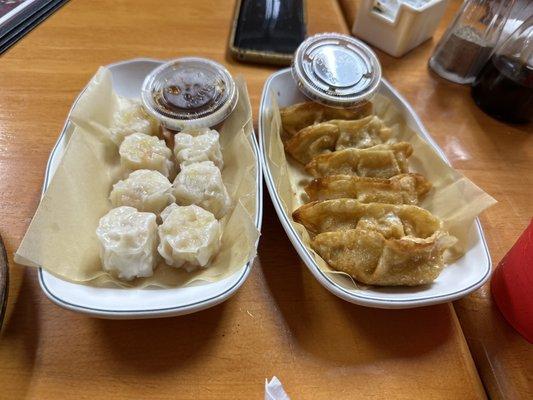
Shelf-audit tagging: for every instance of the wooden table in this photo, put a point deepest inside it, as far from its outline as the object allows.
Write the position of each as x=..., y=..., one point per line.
x=282, y=322
x=499, y=158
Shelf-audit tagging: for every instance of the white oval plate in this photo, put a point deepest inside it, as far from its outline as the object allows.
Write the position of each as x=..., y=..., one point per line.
x=139, y=303
x=457, y=279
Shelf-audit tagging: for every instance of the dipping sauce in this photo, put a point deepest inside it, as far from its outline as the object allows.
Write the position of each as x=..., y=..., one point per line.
x=189, y=93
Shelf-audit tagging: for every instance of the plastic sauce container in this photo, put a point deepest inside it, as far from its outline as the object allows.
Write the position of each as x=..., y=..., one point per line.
x=189, y=93
x=336, y=70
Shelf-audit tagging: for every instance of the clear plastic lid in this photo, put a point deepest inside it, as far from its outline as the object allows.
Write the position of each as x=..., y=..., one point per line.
x=336, y=70
x=189, y=93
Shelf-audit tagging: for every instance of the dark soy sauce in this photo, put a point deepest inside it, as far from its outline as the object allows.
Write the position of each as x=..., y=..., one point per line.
x=193, y=93
x=504, y=89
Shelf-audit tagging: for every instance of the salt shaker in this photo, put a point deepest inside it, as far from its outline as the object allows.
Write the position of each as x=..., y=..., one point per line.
x=469, y=41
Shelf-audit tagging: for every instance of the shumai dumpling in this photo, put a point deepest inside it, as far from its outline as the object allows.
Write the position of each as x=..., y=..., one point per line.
x=338, y=135
x=128, y=241
x=201, y=184
x=143, y=189
x=400, y=189
x=189, y=236
x=381, y=161
x=300, y=115
x=130, y=117
x=141, y=151
x=197, y=145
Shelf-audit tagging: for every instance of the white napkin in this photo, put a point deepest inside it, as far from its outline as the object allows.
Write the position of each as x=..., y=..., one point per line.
x=274, y=390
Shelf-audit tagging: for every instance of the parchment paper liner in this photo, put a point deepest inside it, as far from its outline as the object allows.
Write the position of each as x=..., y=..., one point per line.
x=61, y=237
x=454, y=198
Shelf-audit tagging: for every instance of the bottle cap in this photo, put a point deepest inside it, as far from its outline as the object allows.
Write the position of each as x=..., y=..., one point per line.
x=189, y=93
x=336, y=70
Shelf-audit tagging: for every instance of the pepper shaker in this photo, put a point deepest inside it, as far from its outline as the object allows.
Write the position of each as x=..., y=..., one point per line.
x=469, y=41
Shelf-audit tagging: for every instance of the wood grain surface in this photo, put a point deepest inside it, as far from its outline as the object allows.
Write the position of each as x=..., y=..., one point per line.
x=281, y=322
x=4, y=281
x=499, y=158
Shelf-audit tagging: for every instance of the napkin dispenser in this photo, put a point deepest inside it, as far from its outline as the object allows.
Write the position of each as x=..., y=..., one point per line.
x=397, y=26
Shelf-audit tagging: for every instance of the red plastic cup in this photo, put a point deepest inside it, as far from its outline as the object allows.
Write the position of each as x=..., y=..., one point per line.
x=512, y=285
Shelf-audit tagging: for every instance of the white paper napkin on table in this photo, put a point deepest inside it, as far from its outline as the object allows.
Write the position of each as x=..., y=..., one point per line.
x=274, y=390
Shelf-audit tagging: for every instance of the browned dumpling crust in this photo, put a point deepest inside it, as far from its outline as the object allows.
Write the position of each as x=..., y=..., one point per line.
x=300, y=115
x=382, y=161
x=372, y=258
x=363, y=217
x=337, y=135
x=392, y=220
x=312, y=141
x=378, y=244
x=400, y=189
x=362, y=133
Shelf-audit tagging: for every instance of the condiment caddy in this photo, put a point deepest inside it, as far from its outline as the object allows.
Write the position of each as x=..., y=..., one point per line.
x=397, y=26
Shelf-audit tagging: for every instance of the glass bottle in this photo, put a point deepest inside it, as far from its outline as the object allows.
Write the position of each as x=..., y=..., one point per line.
x=504, y=87
x=469, y=41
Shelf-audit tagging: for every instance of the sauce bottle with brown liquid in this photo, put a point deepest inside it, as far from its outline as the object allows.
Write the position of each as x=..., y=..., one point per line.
x=504, y=87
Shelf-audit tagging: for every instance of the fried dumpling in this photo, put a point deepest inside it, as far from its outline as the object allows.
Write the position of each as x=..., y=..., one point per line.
x=312, y=140
x=379, y=244
x=143, y=189
x=201, y=184
x=400, y=189
x=300, y=115
x=338, y=135
x=373, y=258
x=391, y=220
x=197, y=145
x=189, y=237
x=381, y=161
x=130, y=117
x=141, y=151
x=128, y=240
x=362, y=133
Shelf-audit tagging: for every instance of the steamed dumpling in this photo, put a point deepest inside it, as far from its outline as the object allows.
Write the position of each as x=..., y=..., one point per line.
x=143, y=189
x=189, y=236
x=197, y=145
x=128, y=240
x=201, y=184
x=141, y=151
x=129, y=118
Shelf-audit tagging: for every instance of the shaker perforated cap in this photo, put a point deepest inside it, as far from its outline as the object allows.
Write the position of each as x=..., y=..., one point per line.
x=189, y=93
x=336, y=70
